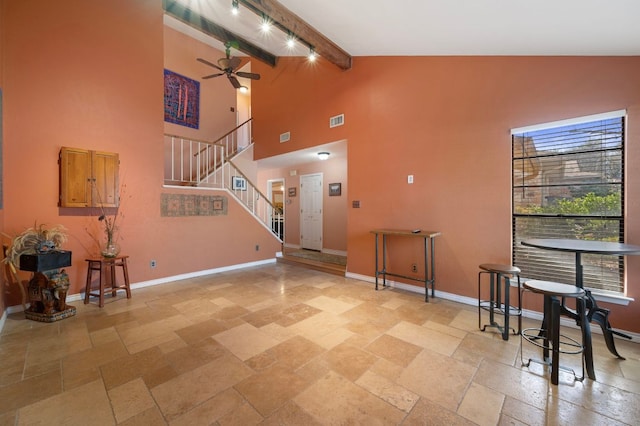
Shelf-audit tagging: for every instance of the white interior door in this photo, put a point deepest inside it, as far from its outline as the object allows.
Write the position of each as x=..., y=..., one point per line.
x=311, y=211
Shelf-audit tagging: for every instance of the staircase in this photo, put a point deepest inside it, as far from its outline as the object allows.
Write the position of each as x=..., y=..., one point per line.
x=203, y=164
x=330, y=264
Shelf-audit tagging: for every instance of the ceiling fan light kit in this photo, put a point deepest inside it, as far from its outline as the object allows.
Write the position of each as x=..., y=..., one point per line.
x=228, y=66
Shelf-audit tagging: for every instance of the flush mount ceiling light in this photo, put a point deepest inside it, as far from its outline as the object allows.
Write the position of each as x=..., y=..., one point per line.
x=323, y=155
x=243, y=89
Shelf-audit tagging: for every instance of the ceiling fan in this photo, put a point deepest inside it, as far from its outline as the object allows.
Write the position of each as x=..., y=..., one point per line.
x=227, y=66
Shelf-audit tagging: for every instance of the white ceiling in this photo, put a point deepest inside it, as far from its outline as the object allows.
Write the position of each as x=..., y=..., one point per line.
x=449, y=27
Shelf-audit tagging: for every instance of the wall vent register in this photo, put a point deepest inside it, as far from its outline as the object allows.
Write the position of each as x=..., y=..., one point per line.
x=336, y=121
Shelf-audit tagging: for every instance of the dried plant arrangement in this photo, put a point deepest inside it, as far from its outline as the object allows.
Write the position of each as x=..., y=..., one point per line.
x=36, y=240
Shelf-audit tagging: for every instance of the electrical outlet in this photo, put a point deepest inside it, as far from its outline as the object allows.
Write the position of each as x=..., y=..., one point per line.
x=153, y=263
x=414, y=267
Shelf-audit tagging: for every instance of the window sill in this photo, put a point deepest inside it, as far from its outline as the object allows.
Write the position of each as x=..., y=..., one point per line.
x=616, y=299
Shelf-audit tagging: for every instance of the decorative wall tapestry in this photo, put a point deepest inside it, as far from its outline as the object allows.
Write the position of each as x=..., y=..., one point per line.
x=175, y=205
x=181, y=100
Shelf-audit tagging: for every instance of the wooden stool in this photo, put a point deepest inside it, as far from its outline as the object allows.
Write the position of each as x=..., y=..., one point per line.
x=499, y=299
x=106, y=268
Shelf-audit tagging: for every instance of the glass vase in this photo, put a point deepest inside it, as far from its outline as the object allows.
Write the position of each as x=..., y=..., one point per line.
x=110, y=249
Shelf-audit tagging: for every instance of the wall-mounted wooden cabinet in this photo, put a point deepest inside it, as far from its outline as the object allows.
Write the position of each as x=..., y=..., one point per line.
x=88, y=178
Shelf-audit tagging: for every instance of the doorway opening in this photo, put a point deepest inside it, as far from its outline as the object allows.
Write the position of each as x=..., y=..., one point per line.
x=275, y=192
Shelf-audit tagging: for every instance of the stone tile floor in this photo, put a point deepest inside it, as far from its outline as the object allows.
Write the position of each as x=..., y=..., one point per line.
x=280, y=344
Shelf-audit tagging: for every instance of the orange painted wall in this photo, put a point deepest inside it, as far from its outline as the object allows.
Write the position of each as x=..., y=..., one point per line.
x=90, y=75
x=445, y=120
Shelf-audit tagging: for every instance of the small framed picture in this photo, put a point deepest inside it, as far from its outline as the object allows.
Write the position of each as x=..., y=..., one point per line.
x=335, y=189
x=238, y=183
x=292, y=192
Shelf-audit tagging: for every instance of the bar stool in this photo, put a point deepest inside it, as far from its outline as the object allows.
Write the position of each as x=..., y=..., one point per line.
x=549, y=332
x=499, y=287
x=106, y=268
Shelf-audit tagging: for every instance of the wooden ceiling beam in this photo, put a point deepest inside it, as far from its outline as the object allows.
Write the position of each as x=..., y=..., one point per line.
x=291, y=22
x=195, y=20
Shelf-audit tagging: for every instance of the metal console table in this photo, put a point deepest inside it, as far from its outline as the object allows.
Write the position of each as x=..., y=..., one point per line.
x=429, y=263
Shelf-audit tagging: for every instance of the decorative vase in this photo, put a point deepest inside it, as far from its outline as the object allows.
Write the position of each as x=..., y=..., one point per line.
x=110, y=249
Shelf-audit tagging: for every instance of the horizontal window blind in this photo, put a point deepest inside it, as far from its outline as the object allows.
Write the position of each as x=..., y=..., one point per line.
x=568, y=182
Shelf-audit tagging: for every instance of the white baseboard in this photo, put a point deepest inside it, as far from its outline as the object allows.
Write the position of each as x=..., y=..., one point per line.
x=566, y=322
x=80, y=296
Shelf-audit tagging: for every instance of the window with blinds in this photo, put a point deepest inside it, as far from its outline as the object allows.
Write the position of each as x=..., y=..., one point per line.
x=568, y=182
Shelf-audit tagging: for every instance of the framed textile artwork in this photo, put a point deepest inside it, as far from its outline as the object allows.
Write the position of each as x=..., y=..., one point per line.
x=176, y=205
x=181, y=100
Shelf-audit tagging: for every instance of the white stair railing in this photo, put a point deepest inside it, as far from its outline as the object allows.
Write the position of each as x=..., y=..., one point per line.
x=196, y=163
x=191, y=162
x=253, y=200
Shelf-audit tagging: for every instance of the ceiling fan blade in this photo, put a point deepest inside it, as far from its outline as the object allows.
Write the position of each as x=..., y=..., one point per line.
x=213, y=75
x=234, y=62
x=251, y=75
x=204, y=61
x=234, y=81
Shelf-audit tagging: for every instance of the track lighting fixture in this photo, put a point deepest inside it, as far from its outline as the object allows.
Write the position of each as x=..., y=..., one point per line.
x=268, y=23
x=291, y=41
